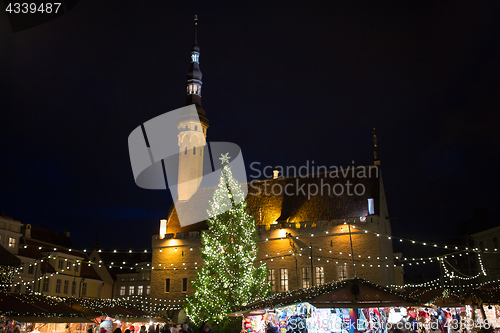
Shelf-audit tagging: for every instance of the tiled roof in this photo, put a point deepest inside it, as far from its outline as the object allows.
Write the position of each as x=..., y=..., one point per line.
x=293, y=199
x=50, y=236
x=38, y=308
x=108, y=256
x=89, y=272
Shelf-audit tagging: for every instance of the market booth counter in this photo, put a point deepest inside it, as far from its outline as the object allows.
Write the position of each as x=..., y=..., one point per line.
x=352, y=305
x=41, y=314
x=483, y=304
x=112, y=314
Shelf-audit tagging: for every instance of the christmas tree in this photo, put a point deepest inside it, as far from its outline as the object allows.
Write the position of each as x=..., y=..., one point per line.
x=228, y=278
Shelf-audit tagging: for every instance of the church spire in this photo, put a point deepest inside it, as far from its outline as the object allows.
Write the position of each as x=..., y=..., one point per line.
x=376, y=161
x=194, y=77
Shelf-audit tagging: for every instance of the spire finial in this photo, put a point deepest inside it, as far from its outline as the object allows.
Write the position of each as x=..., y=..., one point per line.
x=196, y=29
x=375, y=144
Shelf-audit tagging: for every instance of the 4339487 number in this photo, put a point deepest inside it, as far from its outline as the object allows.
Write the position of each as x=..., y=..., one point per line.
x=31, y=7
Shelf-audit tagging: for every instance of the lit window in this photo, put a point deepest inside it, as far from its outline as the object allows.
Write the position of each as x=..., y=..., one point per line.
x=283, y=279
x=146, y=276
x=122, y=291
x=12, y=242
x=148, y=290
x=66, y=286
x=306, y=277
x=342, y=270
x=371, y=207
x=167, y=285
x=184, y=285
x=140, y=290
x=270, y=279
x=195, y=57
x=320, y=276
x=58, y=286
x=84, y=289
x=131, y=290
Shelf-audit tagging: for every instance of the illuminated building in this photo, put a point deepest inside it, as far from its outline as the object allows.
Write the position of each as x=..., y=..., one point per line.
x=305, y=238
x=48, y=262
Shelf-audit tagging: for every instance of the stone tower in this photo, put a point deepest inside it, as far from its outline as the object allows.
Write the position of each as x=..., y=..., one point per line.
x=192, y=130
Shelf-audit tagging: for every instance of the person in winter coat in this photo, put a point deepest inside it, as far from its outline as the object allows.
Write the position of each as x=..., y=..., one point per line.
x=208, y=329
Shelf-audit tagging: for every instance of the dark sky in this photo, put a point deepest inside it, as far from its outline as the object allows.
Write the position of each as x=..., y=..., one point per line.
x=286, y=81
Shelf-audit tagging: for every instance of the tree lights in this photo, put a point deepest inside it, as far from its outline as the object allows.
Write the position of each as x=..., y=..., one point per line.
x=228, y=278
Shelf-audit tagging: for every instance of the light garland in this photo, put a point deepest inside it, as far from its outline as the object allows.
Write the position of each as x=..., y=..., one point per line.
x=228, y=278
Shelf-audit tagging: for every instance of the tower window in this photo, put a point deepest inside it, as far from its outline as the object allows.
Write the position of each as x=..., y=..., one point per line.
x=186, y=150
x=194, y=88
x=306, y=277
x=196, y=128
x=320, y=276
x=283, y=279
x=194, y=150
x=184, y=285
x=270, y=278
x=195, y=57
x=342, y=272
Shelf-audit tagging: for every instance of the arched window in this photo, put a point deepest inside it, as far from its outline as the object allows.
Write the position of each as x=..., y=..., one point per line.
x=194, y=150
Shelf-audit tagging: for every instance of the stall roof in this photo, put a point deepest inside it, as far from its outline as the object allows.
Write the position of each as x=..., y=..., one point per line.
x=110, y=308
x=476, y=296
x=38, y=308
x=45, y=309
x=440, y=297
x=352, y=293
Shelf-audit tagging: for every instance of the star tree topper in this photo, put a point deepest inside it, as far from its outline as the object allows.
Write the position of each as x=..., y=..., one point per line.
x=224, y=158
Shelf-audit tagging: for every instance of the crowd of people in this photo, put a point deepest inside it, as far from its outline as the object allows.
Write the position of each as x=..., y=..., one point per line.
x=184, y=328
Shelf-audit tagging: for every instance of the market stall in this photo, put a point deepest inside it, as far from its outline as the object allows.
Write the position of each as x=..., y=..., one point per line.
x=45, y=314
x=484, y=306
x=348, y=306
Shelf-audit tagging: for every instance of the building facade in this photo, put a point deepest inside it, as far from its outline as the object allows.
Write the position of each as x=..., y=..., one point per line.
x=487, y=242
x=48, y=262
x=126, y=275
x=305, y=239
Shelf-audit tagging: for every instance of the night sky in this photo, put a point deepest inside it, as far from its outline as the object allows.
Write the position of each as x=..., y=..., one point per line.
x=286, y=81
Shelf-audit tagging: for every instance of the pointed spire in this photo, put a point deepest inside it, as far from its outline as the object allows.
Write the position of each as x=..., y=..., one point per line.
x=375, y=144
x=194, y=78
x=196, y=30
